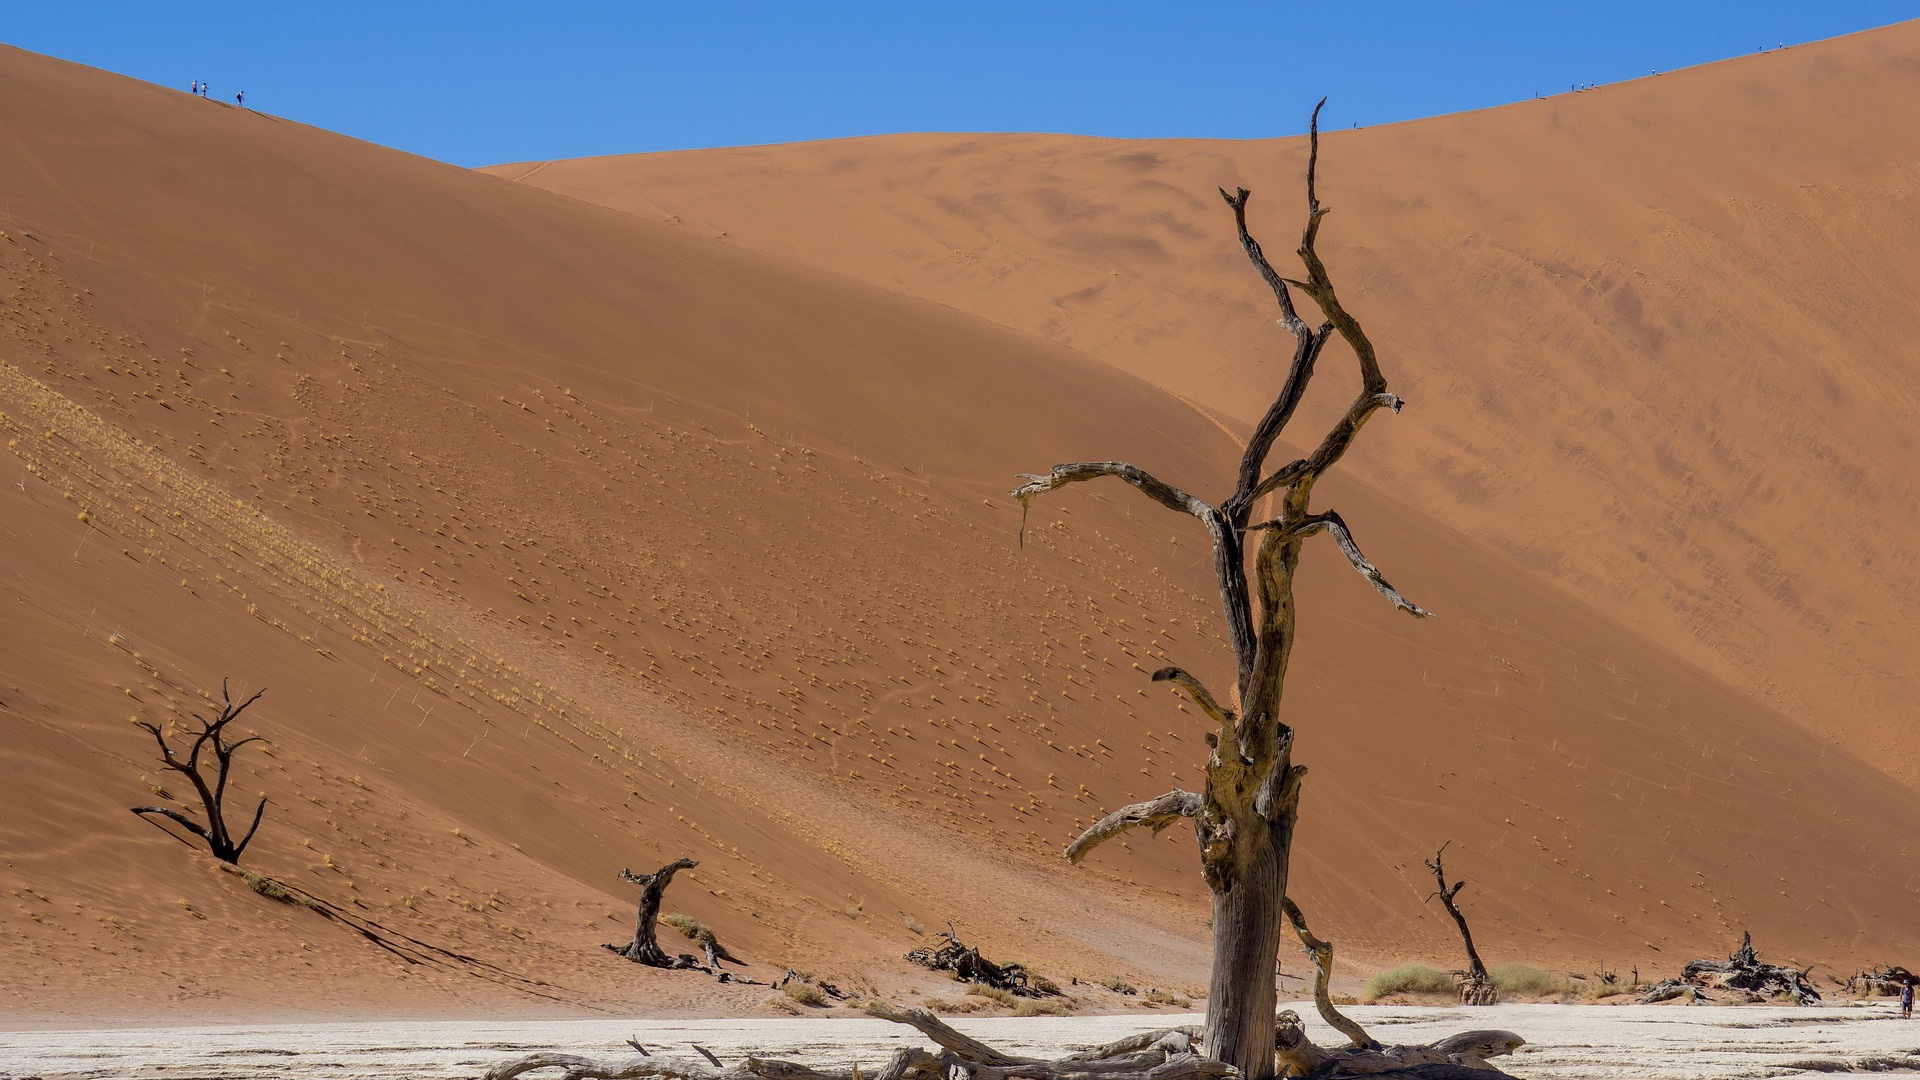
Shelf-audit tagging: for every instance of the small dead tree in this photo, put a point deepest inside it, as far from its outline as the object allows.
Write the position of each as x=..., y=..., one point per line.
x=212, y=736
x=969, y=966
x=645, y=946
x=1244, y=817
x=1476, y=986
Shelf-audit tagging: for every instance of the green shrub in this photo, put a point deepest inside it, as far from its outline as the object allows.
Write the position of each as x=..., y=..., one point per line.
x=1407, y=979
x=1523, y=979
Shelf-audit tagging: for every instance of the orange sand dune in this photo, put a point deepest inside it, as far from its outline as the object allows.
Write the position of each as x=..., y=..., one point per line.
x=1660, y=335
x=566, y=541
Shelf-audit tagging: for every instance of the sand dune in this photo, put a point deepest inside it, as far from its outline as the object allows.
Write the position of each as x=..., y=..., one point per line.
x=566, y=541
x=1660, y=334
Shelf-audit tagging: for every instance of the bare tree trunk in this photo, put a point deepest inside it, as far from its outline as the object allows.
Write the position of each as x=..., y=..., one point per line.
x=645, y=946
x=1246, y=942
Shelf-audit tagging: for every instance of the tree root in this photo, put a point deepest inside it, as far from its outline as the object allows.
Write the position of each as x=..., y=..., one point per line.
x=1158, y=1055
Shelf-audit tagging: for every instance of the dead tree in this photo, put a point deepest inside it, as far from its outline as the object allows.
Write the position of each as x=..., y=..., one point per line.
x=1883, y=981
x=645, y=947
x=1244, y=817
x=213, y=792
x=1742, y=976
x=1476, y=986
x=968, y=965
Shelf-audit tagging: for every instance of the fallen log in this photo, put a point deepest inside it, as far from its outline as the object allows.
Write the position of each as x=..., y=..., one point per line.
x=1173, y=1054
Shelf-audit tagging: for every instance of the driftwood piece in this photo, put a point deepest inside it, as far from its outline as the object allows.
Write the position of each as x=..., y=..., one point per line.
x=1741, y=974
x=216, y=834
x=1476, y=986
x=645, y=946
x=1158, y=1055
x=968, y=965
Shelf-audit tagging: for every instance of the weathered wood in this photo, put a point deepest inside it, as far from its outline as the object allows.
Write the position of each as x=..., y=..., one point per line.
x=1742, y=973
x=1154, y=814
x=1244, y=817
x=1476, y=986
x=645, y=946
x=213, y=793
x=968, y=965
x=1322, y=954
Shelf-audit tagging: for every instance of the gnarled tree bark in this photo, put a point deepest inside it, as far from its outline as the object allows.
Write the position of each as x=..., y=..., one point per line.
x=1476, y=986
x=213, y=792
x=1244, y=817
x=645, y=946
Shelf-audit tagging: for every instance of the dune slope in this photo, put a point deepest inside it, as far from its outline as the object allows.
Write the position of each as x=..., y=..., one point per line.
x=565, y=541
x=1661, y=334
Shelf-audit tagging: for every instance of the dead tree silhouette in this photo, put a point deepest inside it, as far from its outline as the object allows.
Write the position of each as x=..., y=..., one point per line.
x=213, y=793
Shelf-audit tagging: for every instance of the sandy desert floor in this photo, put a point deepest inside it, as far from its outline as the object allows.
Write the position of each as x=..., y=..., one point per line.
x=1566, y=1042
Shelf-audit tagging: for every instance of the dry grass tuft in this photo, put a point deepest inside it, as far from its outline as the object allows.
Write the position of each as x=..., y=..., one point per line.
x=1407, y=979
x=805, y=993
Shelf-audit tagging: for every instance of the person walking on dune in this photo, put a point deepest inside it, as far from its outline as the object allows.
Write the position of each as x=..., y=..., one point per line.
x=196, y=88
x=240, y=99
x=1906, y=1000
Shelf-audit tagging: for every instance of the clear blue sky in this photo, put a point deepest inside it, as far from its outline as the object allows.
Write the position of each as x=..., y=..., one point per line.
x=480, y=83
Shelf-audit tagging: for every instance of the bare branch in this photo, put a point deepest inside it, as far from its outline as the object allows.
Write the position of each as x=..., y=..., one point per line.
x=185, y=822
x=1179, y=677
x=1155, y=814
x=1322, y=953
x=1156, y=489
x=1336, y=526
x=943, y=1035
x=1227, y=561
x=240, y=848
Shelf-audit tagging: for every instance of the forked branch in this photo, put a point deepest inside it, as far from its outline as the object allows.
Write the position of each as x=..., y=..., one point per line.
x=1154, y=814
